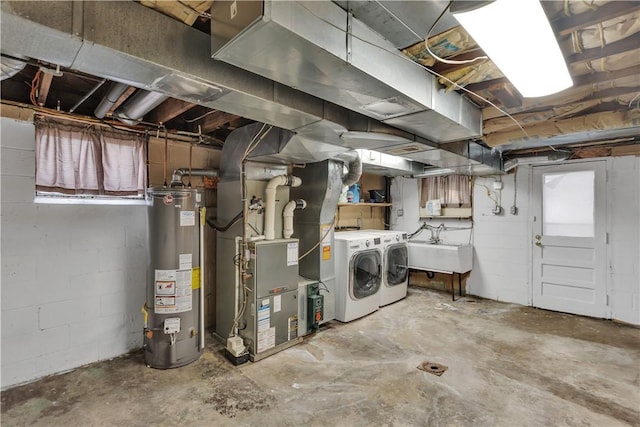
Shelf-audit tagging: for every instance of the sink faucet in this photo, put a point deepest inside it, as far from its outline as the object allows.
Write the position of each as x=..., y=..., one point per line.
x=435, y=232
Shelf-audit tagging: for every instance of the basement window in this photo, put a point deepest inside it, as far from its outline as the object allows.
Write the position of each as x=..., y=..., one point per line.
x=88, y=164
x=452, y=193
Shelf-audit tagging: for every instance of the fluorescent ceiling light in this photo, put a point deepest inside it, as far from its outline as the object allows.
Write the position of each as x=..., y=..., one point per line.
x=518, y=38
x=435, y=172
x=556, y=156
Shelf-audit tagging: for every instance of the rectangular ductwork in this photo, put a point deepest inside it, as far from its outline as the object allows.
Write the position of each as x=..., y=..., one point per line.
x=86, y=35
x=321, y=49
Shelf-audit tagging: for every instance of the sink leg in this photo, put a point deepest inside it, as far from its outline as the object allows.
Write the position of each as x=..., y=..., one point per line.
x=459, y=284
x=453, y=289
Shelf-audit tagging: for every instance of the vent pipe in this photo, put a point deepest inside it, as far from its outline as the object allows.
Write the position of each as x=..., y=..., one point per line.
x=354, y=166
x=287, y=216
x=270, y=201
x=9, y=67
x=140, y=104
x=178, y=174
x=115, y=92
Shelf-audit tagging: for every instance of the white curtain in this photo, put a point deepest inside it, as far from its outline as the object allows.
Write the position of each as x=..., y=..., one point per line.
x=452, y=190
x=74, y=159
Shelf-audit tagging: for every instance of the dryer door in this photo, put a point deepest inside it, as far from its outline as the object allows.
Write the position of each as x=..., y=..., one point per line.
x=396, y=271
x=365, y=274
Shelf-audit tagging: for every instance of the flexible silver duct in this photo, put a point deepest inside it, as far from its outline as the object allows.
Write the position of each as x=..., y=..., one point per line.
x=115, y=91
x=9, y=67
x=354, y=166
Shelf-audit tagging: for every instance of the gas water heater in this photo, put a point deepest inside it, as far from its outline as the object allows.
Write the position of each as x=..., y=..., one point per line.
x=174, y=330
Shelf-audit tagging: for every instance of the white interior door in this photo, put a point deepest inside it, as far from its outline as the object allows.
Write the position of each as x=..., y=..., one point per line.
x=569, y=238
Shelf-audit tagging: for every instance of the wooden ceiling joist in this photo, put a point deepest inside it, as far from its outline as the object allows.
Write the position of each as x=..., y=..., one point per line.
x=214, y=121
x=44, y=87
x=168, y=110
x=624, y=45
x=567, y=24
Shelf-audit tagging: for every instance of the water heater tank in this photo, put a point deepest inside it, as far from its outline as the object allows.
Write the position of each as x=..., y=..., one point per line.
x=173, y=328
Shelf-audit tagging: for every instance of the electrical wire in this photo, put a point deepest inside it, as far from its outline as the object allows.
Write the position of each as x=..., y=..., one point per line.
x=319, y=241
x=447, y=61
x=200, y=117
x=35, y=83
x=404, y=57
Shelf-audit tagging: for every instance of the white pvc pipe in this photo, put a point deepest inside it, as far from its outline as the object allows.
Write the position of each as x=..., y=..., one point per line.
x=287, y=216
x=270, y=202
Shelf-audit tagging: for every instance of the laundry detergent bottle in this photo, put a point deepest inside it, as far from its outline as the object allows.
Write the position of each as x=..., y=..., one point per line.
x=355, y=191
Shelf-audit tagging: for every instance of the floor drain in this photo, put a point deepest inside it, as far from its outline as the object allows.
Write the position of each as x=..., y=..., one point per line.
x=432, y=368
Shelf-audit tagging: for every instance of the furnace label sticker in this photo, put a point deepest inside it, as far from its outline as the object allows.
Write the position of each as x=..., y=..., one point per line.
x=277, y=303
x=266, y=339
x=173, y=291
x=292, y=254
x=264, y=316
x=187, y=218
x=293, y=328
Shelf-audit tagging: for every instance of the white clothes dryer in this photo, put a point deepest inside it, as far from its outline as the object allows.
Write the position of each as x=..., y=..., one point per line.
x=395, y=261
x=358, y=274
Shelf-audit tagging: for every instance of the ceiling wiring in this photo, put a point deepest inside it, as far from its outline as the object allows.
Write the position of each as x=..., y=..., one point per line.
x=404, y=57
x=447, y=61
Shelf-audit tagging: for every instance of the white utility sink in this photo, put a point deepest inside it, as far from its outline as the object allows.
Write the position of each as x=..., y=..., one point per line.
x=440, y=257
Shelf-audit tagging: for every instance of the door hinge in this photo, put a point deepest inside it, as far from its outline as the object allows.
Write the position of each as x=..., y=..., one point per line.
x=607, y=237
x=607, y=300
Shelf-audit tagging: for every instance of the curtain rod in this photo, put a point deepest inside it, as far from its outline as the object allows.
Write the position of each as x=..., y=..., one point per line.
x=180, y=136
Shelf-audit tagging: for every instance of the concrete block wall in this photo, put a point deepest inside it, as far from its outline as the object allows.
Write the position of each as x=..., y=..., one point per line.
x=73, y=276
x=502, y=257
x=502, y=243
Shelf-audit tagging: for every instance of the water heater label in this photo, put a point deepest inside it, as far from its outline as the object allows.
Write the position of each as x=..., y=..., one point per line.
x=173, y=293
x=187, y=218
x=185, y=261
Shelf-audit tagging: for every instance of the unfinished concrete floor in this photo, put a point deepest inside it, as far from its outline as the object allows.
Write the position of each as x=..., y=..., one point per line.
x=507, y=366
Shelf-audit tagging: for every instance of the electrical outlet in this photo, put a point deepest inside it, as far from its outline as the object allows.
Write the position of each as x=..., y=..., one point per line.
x=514, y=210
x=400, y=212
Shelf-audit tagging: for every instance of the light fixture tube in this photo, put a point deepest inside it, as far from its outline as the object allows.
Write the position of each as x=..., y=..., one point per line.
x=435, y=172
x=517, y=36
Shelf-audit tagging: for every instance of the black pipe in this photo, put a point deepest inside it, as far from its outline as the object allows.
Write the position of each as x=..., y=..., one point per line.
x=231, y=223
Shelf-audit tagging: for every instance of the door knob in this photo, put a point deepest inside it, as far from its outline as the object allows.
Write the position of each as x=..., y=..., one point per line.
x=538, y=237
x=539, y=243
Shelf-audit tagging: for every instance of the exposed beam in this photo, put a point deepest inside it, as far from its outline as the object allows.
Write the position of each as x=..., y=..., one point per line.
x=43, y=88
x=565, y=25
x=214, y=121
x=623, y=118
x=581, y=83
x=629, y=43
x=589, y=104
x=168, y=110
x=127, y=93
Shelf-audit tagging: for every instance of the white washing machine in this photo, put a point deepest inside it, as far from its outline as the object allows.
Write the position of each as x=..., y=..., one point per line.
x=358, y=274
x=395, y=261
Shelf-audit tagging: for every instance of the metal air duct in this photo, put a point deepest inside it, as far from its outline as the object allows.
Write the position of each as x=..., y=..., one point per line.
x=9, y=67
x=138, y=105
x=80, y=35
x=323, y=50
x=115, y=92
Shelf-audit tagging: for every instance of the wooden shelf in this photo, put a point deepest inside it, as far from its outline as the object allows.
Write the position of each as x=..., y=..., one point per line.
x=445, y=217
x=364, y=204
